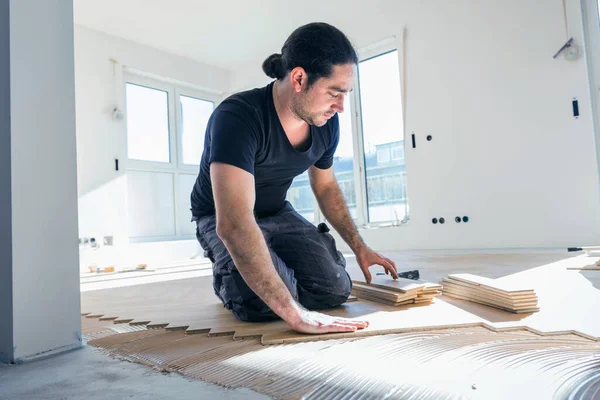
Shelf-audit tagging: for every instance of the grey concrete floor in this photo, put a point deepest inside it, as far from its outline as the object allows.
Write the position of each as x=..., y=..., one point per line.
x=89, y=374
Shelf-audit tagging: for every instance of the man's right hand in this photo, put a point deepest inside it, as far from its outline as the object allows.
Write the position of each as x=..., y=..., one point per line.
x=313, y=322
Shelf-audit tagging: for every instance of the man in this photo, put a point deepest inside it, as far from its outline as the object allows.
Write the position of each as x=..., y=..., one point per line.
x=268, y=261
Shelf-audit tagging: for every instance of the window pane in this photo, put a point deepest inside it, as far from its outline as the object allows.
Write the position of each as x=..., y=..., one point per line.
x=150, y=194
x=147, y=124
x=343, y=162
x=186, y=184
x=381, y=109
x=300, y=195
x=194, y=117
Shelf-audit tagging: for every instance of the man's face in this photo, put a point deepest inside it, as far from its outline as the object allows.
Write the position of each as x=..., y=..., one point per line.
x=325, y=97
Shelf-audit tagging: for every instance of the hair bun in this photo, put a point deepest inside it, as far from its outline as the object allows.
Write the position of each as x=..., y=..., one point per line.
x=273, y=66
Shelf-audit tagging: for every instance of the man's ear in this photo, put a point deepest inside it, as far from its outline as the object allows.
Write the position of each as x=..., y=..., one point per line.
x=298, y=79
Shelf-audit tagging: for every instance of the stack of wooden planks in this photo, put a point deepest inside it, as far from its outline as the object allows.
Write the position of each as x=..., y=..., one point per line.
x=491, y=292
x=396, y=292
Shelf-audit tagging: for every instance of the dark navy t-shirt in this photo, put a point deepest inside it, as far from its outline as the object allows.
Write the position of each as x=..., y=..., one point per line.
x=245, y=131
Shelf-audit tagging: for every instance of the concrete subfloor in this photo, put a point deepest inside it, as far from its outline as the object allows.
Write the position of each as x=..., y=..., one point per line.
x=89, y=374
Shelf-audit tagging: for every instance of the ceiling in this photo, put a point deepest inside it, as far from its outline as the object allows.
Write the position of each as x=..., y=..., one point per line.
x=228, y=34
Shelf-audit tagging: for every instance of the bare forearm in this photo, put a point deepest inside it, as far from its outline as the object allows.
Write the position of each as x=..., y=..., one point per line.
x=332, y=203
x=251, y=256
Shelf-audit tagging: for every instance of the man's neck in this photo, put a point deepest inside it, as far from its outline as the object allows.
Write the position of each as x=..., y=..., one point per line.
x=282, y=100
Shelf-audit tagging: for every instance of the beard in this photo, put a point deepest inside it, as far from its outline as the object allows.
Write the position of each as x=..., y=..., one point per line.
x=300, y=109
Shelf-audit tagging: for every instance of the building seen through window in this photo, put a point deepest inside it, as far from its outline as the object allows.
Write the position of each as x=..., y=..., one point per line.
x=385, y=183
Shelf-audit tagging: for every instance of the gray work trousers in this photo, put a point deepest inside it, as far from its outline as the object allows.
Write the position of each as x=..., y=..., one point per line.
x=305, y=258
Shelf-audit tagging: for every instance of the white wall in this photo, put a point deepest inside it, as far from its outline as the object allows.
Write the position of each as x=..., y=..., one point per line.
x=99, y=85
x=44, y=179
x=506, y=150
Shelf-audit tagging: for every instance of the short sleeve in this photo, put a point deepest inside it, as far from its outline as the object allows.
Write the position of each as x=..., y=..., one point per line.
x=326, y=161
x=234, y=137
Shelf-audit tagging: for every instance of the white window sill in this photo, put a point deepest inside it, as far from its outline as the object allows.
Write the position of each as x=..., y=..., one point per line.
x=384, y=224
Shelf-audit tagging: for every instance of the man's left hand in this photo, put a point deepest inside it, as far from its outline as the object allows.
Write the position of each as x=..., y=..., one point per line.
x=367, y=258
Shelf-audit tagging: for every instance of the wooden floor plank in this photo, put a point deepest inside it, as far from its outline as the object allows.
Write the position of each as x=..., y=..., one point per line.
x=386, y=282
x=490, y=284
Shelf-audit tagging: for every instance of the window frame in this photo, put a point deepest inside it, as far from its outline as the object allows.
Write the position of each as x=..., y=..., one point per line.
x=176, y=167
x=149, y=84
x=369, y=52
x=196, y=94
x=401, y=152
x=591, y=53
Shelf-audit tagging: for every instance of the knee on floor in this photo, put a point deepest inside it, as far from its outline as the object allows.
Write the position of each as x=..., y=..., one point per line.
x=325, y=295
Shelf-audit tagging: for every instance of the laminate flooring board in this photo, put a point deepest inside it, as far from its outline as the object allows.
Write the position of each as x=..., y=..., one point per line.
x=194, y=317
x=381, y=294
x=493, y=295
x=375, y=289
x=225, y=324
x=428, y=296
x=490, y=284
x=524, y=310
x=586, y=268
x=389, y=302
x=133, y=299
x=369, y=296
x=258, y=330
x=484, y=300
x=430, y=292
x=429, y=286
x=386, y=282
x=490, y=295
x=506, y=303
x=448, y=283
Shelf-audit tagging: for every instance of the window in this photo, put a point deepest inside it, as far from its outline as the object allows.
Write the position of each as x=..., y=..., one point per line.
x=166, y=125
x=383, y=156
x=147, y=124
x=343, y=164
x=194, y=117
x=382, y=134
x=398, y=153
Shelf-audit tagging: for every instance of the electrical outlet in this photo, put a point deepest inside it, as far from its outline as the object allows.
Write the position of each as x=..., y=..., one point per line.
x=108, y=240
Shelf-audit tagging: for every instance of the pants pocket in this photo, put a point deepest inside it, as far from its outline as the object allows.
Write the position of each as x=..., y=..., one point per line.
x=330, y=244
